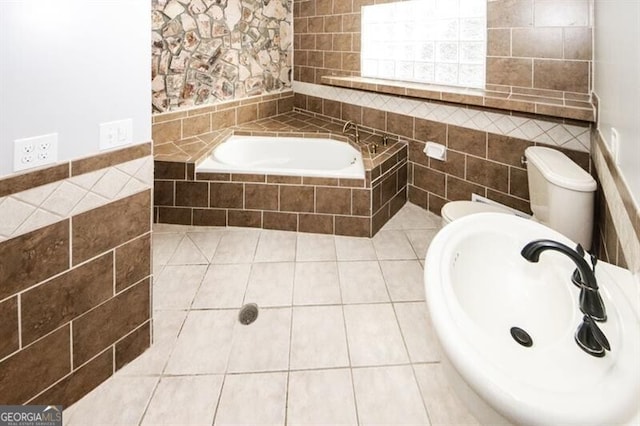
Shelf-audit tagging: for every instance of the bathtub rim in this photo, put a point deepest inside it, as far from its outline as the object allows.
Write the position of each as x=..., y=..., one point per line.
x=312, y=173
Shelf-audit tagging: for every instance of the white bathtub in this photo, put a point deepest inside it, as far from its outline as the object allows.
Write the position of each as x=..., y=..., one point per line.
x=285, y=156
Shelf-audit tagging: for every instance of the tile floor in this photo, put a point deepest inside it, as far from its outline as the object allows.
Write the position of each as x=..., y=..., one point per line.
x=343, y=334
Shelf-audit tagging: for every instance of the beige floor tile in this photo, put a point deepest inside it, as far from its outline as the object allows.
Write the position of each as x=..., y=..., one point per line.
x=120, y=400
x=362, y=282
x=262, y=345
x=321, y=397
x=204, y=343
x=420, y=240
x=388, y=395
x=187, y=253
x=443, y=405
x=354, y=248
x=207, y=240
x=315, y=247
x=223, y=286
x=163, y=228
x=393, y=245
x=318, y=338
x=237, y=246
x=176, y=287
x=412, y=217
x=276, y=246
x=164, y=245
x=187, y=400
x=166, y=327
x=405, y=280
x=253, y=399
x=418, y=331
x=270, y=284
x=374, y=335
x=316, y=283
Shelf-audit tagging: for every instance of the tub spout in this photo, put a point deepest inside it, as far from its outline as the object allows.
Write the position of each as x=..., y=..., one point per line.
x=347, y=126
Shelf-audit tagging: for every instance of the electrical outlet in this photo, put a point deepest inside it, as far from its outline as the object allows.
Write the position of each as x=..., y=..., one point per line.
x=615, y=145
x=34, y=152
x=116, y=133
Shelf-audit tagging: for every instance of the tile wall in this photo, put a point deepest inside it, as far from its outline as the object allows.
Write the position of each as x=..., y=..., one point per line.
x=617, y=230
x=534, y=47
x=484, y=149
x=189, y=125
x=75, y=274
x=205, y=52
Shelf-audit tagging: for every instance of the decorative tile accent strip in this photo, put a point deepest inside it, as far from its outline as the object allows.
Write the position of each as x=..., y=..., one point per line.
x=44, y=205
x=567, y=136
x=206, y=52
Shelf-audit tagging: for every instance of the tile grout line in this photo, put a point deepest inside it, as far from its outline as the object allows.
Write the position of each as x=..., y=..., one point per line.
x=346, y=336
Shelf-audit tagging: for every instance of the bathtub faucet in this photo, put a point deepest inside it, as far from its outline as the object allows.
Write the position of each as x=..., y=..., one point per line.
x=348, y=125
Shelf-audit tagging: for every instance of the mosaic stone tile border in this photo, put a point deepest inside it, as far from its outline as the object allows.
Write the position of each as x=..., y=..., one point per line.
x=568, y=136
x=205, y=51
x=84, y=185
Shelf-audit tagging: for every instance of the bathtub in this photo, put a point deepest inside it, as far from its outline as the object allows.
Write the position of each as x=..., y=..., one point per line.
x=290, y=156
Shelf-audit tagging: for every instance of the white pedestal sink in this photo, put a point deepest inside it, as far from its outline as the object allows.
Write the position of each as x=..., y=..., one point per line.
x=478, y=287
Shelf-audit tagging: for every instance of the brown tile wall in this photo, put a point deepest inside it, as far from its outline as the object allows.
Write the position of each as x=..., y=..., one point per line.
x=534, y=47
x=181, y=125
x=477, y=162
x=75, y=295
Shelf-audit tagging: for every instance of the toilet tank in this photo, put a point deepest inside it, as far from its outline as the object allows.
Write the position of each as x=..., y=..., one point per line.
x=561, y=193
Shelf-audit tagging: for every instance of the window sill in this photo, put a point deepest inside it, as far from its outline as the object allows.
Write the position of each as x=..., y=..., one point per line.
x=554, y=107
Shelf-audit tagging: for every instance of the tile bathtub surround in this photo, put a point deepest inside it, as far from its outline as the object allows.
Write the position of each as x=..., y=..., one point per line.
x=75, y=271
x=479, y=162
x=323, y=205
x=538, y=52
x=208, y=52
x=308, y=358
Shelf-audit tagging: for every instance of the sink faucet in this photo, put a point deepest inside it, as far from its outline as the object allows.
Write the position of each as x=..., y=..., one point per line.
x=588, y=336
x=348, y=125
x=590, y=301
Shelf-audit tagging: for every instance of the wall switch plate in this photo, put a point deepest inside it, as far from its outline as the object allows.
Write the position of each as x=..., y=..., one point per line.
x=34, y=152
x=116, y=133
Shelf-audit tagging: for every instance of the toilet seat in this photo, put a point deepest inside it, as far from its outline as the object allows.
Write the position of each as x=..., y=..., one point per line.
x=456, y=209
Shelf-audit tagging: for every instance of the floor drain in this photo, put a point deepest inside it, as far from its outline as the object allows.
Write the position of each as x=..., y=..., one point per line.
x=248, y=313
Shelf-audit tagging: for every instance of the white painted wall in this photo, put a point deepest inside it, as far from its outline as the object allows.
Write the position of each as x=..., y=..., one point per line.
x=617, y=80
x=68, y=65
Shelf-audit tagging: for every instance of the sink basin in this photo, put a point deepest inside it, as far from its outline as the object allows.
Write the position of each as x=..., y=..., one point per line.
x=478, y=287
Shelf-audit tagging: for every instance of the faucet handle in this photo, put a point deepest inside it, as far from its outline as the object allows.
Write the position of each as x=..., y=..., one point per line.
x=594, y=260
x=575, y=277
x=590, y=338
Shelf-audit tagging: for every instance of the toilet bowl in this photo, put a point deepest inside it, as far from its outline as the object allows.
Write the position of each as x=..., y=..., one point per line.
x=561, y=192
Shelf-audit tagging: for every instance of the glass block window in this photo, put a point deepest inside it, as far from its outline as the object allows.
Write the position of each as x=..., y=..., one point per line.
x=426, y=41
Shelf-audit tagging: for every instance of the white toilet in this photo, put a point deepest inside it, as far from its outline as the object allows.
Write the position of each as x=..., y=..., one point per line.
x=561, y=192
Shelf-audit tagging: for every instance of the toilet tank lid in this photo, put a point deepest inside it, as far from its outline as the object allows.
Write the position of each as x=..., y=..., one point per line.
x=560, y=169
